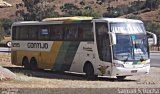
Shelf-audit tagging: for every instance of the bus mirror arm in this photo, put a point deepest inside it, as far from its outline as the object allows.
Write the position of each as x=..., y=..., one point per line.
x=113, y=38
x=153, y=39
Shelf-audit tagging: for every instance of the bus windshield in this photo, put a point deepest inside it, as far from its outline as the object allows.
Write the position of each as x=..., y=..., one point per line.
x=131, y=40
x=131, y=47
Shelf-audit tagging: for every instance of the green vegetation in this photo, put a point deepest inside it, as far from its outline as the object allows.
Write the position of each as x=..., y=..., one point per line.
x=70, y=9
x=40, y=9
x=73, y=10
x=135, y=8
x=36, y=10
x=5, y=27
x=152, y=4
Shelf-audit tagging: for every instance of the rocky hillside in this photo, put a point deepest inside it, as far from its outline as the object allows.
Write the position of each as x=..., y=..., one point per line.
x=95, y=4
x=9, y=12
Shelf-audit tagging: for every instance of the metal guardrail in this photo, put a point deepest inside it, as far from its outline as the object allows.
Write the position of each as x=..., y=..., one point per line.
x=3, y=45
x=4, y=48
x=155, y=49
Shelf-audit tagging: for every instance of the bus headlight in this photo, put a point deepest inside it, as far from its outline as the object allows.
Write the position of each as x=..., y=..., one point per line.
x=146, y=64
x=119, y=65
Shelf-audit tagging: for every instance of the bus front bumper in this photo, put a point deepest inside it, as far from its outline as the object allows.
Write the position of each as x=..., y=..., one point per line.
x=121, y=71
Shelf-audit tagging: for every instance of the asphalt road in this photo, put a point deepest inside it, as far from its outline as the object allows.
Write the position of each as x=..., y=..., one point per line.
x=155, y=59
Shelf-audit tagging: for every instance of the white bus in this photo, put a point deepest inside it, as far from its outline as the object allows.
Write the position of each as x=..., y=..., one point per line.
x=112, y=47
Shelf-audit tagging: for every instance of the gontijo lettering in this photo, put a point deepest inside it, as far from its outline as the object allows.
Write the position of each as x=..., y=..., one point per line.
x=38, y=45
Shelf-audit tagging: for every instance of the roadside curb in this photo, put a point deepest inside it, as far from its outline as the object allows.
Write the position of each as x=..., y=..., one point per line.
x=154, y=51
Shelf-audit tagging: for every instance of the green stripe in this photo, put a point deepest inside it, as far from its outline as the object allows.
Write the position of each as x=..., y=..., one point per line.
x=71, y=52
x=65, y=56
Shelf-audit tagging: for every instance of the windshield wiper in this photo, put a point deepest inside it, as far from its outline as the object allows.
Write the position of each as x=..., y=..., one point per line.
x=142, y=59
x=127, y=57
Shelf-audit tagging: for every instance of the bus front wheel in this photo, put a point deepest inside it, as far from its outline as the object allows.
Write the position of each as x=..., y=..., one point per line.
x=89, y=70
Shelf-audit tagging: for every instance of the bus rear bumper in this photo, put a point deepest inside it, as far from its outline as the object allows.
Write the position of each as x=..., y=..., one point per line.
x=121, y=71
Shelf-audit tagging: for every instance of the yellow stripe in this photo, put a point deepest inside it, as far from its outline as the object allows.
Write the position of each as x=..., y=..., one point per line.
x=45, y=60
x=54, y=51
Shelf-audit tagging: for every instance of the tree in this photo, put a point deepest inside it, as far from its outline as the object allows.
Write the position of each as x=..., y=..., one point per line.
x=124, y=9
x=69, y=9
x=35, y=10
x=6, y=26
x=152, y=4
x=88, y=12
x=72, y=10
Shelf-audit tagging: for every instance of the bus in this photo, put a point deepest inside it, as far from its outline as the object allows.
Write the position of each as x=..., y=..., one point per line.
x=108, y=47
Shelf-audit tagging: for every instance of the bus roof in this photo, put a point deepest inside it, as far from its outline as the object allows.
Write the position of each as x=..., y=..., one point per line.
x=76, y=18
x=118, y=20
x=61, y=20
x=35, y=23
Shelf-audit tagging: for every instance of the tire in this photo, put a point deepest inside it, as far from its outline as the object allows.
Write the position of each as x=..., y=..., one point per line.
x=121, y=78
x=89, y=70
x=33, y=63
x=25, y=63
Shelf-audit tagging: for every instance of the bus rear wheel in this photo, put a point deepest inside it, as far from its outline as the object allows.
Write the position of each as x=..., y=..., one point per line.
x=89, y=70
x=25, y=63
x=121, y=78
x=33, y=63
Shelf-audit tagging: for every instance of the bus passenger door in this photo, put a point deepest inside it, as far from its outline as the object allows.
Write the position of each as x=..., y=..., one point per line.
x=103, y=49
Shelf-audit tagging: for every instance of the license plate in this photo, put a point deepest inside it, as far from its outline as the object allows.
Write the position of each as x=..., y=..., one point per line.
x=133, y=71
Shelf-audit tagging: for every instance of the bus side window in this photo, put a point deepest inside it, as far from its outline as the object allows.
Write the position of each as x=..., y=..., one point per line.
x=80, y=33
x=25, y=33
x=88, y=33
x=71, y=33
x=33, y=33
x=56, y=32
x=85, y=32
x=22, y=32
x=15, y=32
x=44, y=34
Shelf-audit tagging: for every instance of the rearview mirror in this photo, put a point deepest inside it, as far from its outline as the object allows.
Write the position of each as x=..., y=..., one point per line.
x=152, y=39
x=113, y=38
